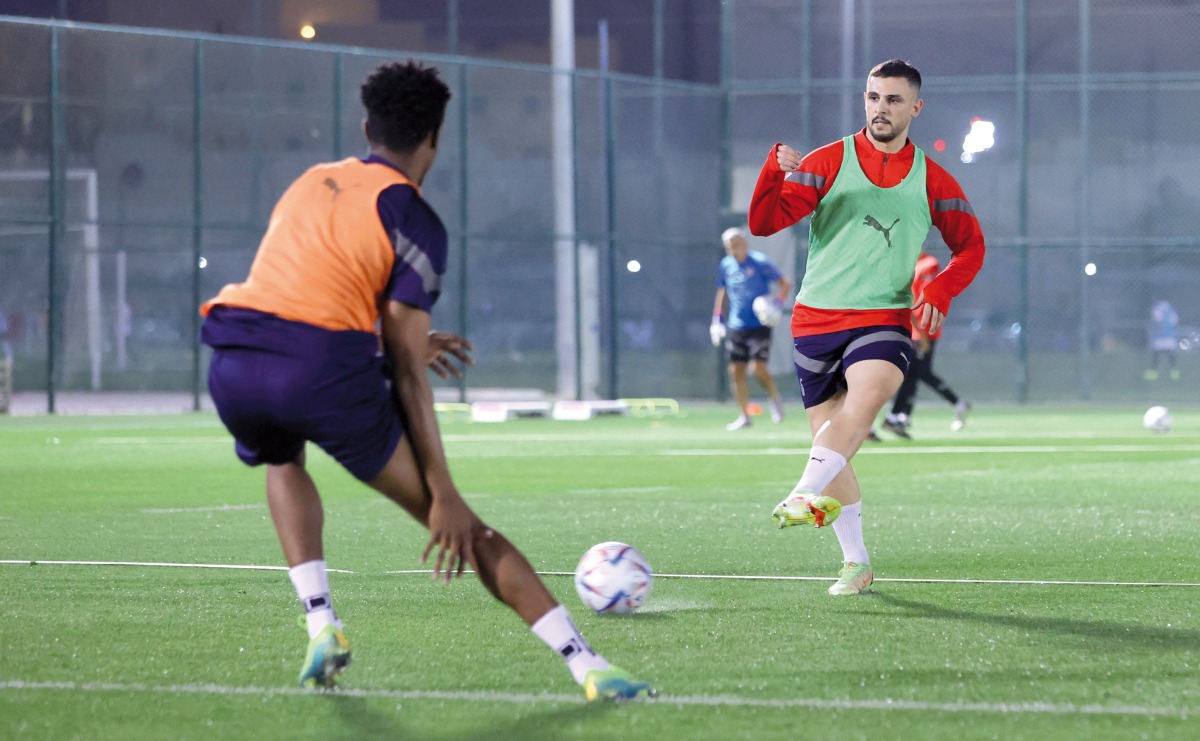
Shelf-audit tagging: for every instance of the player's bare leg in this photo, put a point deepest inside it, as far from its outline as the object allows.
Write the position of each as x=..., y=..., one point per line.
x=840, y=425
x=741, y=395
x=508, y=575
x=299, y=519
x=502, y=568
x=763, y=375
x=296, y=511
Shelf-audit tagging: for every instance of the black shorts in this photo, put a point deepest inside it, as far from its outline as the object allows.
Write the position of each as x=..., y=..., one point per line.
x=748, y=344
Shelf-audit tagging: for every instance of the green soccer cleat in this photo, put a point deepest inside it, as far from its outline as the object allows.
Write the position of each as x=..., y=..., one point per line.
x=615, y=684
x=328, y=654
x=806, y=508
x=852, y=579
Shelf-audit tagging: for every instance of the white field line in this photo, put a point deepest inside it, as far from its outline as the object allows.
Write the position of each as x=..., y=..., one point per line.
x=764, y=577
x=617, y=451
x=943, y=450
x=674, y=435
x=731, y=701
x=165, y=440
x=244, y=567
x=730, y=577
x=220, y=508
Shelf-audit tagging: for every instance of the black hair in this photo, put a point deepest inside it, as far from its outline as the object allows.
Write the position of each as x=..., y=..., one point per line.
x=405, y=102
x=898, y=68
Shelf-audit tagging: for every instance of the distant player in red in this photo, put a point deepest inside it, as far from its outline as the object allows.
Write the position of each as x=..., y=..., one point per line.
x=873, y=197
x=352, y=263
x=900, y=417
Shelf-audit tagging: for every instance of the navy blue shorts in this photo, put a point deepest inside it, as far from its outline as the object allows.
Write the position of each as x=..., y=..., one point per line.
x=316, y=385
x=821, y=360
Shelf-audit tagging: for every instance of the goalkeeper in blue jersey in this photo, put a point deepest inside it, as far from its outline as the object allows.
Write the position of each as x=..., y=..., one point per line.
x=743, y=276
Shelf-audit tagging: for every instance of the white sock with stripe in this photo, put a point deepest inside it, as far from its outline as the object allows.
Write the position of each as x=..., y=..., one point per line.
x=558, y=631
x=312, y=587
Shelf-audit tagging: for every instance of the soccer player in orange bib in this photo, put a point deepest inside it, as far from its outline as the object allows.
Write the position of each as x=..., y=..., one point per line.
x=872, y=197
x=352, y=261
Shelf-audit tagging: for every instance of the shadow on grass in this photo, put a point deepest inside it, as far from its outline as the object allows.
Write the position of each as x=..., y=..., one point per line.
x=538, y=726
x=1142, y=636
x=361, y=722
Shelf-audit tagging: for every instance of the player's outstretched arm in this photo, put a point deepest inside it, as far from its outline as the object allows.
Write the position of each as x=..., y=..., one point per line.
x=452, y=524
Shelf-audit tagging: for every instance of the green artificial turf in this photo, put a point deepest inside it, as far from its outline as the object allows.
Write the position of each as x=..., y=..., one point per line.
x=985, y=621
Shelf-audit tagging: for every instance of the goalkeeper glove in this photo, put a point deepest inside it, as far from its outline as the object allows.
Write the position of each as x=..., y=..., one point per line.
x=716, y=330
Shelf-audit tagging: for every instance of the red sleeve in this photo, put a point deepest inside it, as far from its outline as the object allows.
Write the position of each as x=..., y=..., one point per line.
x=955, y=219
x=782, y=199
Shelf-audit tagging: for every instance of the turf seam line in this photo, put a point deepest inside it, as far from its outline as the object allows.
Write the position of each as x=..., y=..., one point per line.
x=1037, y=708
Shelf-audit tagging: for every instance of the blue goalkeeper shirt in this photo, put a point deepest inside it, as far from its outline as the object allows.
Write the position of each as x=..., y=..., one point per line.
x=744, y=282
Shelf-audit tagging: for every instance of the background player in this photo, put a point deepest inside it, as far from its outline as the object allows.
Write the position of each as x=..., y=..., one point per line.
x=350, y=245
x=1164, y=341
x=900, y=417
x=744, y=275
x=872, y=197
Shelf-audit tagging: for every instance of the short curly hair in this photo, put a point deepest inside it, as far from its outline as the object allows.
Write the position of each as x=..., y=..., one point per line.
x=405, y=102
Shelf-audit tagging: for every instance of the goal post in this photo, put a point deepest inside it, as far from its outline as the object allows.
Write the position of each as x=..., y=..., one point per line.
x=27, y=191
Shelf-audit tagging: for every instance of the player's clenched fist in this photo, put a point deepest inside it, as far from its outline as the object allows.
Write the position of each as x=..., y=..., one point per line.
x=788, y=158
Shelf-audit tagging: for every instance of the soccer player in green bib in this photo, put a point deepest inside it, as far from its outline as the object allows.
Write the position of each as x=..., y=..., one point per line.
x=873, y=197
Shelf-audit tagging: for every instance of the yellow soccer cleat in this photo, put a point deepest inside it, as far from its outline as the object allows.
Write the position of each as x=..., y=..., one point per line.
x=806, y=508
x=328, y=654
x=615, y=684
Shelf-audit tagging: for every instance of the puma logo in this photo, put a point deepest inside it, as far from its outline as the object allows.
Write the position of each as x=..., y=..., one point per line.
x=872, y=222
x=818, y=460
x=337, y=189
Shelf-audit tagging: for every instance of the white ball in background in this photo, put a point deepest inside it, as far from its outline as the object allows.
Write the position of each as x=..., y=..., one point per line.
x=1157, y=419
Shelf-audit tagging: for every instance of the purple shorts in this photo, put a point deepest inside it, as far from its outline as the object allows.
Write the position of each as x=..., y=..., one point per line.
x=821, y=360
x=277, y=384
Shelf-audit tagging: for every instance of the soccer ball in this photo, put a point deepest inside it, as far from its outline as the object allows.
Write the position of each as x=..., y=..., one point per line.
x=613, y=577
x=768, y=310
x=1157, y=419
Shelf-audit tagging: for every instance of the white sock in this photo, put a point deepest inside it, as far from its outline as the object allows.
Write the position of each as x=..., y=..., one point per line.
x=848, y=528
x=312, y=587
x=558, y=632
x=823, y=466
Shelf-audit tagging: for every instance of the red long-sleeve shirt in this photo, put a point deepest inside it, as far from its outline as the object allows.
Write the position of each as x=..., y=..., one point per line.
x=782, y=199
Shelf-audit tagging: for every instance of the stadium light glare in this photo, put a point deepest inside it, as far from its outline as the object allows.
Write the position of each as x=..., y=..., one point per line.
x=1089, y=269
x=308, y=32
x=980, y=138
x=203, y=263
x=633, y=266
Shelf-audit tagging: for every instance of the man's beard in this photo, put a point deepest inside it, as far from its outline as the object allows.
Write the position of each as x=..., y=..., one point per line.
x=883, y=138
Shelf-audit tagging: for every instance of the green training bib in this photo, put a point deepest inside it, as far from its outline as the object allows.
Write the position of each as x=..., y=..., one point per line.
x=864, y=240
